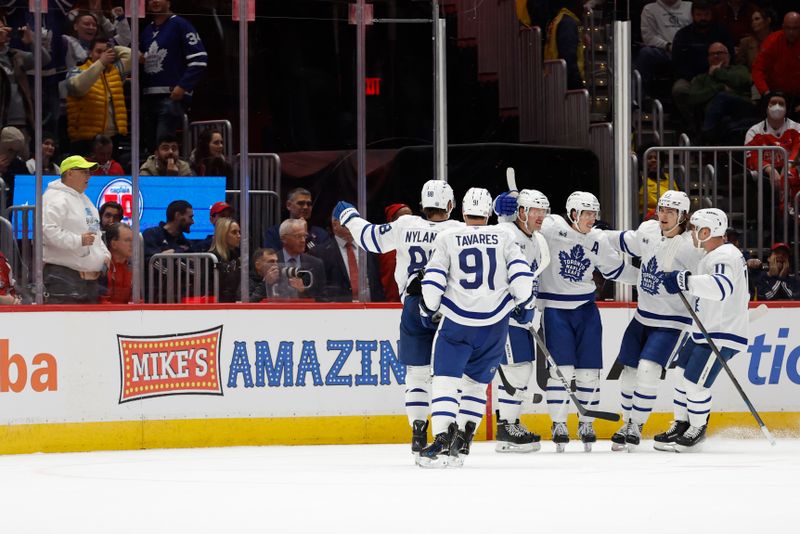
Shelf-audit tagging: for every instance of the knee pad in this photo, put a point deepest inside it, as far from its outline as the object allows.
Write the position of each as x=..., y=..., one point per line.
x=692, y=389
x=449, y=383
x=471, y=388
x=648, y=373
x=627, y=379
x=567, y=370
x=518, y=374
x=418, y=375
x=587, y=376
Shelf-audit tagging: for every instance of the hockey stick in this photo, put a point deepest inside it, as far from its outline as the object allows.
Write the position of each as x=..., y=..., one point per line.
x=714, y=348
x=608, y=416
x=511, y=179
x=516, y=393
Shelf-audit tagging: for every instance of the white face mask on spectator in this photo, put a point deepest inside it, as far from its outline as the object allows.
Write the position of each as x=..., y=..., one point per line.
x=776, y=111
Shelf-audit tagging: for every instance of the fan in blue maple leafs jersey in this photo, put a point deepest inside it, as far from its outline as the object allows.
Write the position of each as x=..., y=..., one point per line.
x=175, y=60
x=572, y=327
x=652, y=335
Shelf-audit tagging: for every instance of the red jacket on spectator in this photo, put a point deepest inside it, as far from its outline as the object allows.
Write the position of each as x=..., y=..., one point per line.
x=777, y=65
x=737, y=24
x=789, y=138
x=118, y=282
x=6, y=280
x=111, y=168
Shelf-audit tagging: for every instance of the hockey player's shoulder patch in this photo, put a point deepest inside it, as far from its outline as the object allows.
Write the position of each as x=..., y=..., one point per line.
x=573, y=263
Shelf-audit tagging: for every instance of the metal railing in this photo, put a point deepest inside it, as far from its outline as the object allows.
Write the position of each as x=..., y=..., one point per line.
x=720, y=177
x=796, y=236
x=22, y=222
x=658, y=122
x=175, y=277
x=224, y=127
x=3, y=191
x=265, y=191
x=637, y=97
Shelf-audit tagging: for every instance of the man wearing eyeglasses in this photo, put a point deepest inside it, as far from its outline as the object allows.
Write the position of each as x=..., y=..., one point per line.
x=292, y=255
x=73, y=250
x=721, y=95
x=299, y=205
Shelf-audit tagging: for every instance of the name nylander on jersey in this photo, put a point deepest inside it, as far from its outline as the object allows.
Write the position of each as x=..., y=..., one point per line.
x=411, y=236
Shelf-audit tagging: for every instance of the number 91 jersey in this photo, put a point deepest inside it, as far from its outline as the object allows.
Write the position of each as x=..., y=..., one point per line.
x=476, y=275
x=411, y=236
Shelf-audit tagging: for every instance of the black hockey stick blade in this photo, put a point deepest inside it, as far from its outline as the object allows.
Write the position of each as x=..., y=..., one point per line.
x=606, y=416
x=536, y=398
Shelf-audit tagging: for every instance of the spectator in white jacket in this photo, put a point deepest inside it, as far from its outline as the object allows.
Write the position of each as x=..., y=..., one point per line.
x=73, y=251
x=661, y=20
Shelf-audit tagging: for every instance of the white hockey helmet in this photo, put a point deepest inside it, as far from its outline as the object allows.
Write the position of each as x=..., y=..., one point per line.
x=712, y=218
x=477, y=202
x=581, y=201
x=676, y=200
x=531, y=198
x=437, y=194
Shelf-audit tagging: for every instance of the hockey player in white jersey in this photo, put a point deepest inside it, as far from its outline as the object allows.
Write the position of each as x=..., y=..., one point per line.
x=719, y=292
x=476, y=277
x=412, y=237
x=572, y=327
x=529, y=208
x=651, y=337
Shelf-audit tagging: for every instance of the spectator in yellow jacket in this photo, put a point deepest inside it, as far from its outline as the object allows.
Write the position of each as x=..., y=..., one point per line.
x=96, y=100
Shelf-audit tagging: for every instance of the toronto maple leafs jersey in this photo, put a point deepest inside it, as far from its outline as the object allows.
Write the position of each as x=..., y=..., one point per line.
x=531, y=248
x=567, y=282
x=410, y=235
x=658, y=254
x=173, y=55
x=476, y=275
x=720, y=294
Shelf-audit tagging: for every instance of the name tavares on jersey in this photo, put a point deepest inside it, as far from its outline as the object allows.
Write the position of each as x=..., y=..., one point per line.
x=477, y=239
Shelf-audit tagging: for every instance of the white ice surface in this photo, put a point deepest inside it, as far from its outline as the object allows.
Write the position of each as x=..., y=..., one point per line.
x=733, y=486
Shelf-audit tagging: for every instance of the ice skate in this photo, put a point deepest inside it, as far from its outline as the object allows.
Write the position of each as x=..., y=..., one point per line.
x=634, y=436
x=515, y=437
x=459, y=448
x=618, y=440
x=560, y=436
x=419, y=437
x=691, y=440
x=436, y=454
x=666, y=440
x=587, y=435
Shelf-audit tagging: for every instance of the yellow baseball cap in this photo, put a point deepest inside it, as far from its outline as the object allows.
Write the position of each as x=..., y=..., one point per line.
x=77, y=162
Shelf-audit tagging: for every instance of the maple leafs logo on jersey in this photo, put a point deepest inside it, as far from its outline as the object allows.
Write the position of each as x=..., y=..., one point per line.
x=154, y=59
x=574, y=264
x=651, y=277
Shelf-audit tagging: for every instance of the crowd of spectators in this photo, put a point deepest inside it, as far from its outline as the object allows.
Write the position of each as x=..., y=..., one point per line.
x=732, y=67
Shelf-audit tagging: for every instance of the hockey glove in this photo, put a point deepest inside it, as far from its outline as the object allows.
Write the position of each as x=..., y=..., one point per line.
x=506, y=203
x=676, y=281
x=429, y=318
x=414, y=287
x=522, y=315
x=344, y=211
